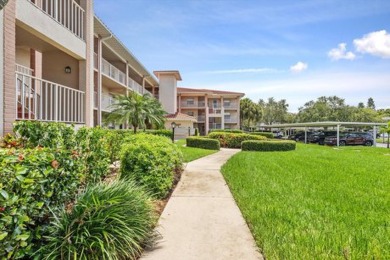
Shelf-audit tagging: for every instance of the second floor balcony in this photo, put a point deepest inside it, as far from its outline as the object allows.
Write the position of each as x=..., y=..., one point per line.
x=68, y=13
x=114, y=73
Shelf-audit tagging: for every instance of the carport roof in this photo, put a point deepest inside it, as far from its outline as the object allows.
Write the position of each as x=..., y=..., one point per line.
x=326, y=123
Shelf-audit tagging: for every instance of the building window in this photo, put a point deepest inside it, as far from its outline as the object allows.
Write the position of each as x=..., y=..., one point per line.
x=226, y=103
x=190, y=113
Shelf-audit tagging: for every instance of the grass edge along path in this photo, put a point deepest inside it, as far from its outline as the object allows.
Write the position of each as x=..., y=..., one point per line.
x=315, y=202
x=192, y=153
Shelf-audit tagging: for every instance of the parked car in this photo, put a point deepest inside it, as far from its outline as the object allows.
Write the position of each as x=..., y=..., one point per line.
x=300, y=136
x=319, y=137
x=355, y=138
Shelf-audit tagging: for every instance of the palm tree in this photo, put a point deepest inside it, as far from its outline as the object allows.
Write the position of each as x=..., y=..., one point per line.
x=137, y=110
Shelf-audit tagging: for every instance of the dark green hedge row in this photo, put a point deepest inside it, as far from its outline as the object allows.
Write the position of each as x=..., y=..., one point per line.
x=266, y=134
x=237, y=131
x=233, y=140
x=151, y=161
x=268, y=146
x=204, y=143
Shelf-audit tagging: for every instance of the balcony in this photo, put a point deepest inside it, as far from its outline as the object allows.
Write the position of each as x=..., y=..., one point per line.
x=107, y=101
x=114, y=73
x=215, y=111
x=231, y=106
x=133, y=85
x=42, y=100
x=201, y=119
x=66, y=12
x=195, y=104
x=215, y=126
x=231, y=120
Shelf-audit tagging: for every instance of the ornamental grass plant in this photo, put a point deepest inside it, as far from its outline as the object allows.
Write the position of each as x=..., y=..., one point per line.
x=111, y=221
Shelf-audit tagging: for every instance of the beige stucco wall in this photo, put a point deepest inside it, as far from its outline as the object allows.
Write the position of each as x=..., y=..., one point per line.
x=168, y=93
x=54, y=63
x=183, y=125
x=34, y=20
x=23, y=57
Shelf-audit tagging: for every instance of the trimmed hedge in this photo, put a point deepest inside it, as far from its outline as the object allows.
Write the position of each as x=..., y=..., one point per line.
x=33, y=184
x=204, y=143
x=237, y=131
x=268, y=146
x=162, y=132
x=233, y=140
x=151, y=162
x=266, y=134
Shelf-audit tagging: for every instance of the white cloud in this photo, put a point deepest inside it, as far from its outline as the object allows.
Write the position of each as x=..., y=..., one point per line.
x=299, y=67
x=341, y=53
x=237, y=71
x=374, y=43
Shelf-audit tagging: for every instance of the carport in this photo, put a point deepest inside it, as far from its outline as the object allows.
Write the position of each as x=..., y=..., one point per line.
x=329, y=124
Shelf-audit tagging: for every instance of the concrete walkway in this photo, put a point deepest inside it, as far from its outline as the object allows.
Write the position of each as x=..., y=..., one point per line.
x=201, y=220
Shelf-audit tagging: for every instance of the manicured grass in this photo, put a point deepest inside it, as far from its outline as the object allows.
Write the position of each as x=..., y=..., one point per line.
x=191, y=153
x=316, y=202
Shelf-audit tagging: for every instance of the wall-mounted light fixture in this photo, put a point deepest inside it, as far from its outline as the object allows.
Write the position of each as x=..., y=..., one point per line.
x=68, y=69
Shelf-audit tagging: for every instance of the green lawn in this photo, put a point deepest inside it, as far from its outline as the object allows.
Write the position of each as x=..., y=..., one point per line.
x=191, y=153
x=316, y=202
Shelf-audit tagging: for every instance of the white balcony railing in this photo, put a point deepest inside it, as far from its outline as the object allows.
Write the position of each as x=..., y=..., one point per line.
x=132, y=84
x=231, y=120
x=217, y=111
x=193, y=104
x=107, y=101
x=111, y=71
x=215, y=126
x=42, y=100
x=66, y=12
x=24, y=70
x=230, y=105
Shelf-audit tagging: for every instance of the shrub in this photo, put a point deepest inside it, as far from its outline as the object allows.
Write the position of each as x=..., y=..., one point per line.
x=32, y=181
x=50, y=135
x=204, y=143
x=268, y=146
x=107, y=222
x=94, y=150
x=237, y=131
x=269, y=135
x=151, y=161
x=233, y=140
x=115, y=140
x=162, y=132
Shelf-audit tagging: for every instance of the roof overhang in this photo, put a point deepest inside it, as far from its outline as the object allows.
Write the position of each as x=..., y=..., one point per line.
x=321, y=124
x=174, y=73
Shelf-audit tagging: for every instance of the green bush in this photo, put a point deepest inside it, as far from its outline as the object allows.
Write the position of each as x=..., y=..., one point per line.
x=268, y=146
x=50, y=135
x=93, y=146
x=162, y=132
x=269, y=135
x=204, y=143
x=237, y=131
x=33, y=182
x=115, y=140
x=151, y=161
x=233, y=140
x=107, y=222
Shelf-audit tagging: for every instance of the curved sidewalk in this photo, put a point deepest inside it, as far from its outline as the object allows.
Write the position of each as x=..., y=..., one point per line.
x=201, y=220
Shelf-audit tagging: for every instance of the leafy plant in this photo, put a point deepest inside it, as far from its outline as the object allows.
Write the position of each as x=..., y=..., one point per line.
x=107, y=222
x=151, y=161
x=233, y=140
x=266, y=134
x=31, y=181
x=204, y=143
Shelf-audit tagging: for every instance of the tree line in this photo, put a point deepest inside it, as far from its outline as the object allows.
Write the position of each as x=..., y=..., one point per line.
x=330, y=108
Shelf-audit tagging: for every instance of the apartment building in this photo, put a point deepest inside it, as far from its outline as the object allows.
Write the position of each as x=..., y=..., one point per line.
x=213, y=109
x=61, y=63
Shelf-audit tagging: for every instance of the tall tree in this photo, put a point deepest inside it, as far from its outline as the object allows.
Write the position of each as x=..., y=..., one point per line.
x=324, y=108
x=274, y=111
x=361, y=105
x=371, y=103
x=250, y=113
x=137, y=110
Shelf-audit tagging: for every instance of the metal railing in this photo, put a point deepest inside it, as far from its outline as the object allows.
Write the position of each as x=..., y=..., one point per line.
x=111, y=71
x=23, y=69
x=215, y=126
x=134, y=86
x=230, y=105
x=230, y=120
x=66, y=12
x=107, y=101
x=193, y=104
x=215, y=110
x=42, y=100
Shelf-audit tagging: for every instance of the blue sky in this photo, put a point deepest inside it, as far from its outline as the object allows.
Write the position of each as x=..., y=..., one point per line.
x=293, y=50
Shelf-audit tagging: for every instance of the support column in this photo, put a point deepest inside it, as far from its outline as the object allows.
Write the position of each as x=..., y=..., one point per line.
x=206, y=127
x=374, y=135
x=222, y=115
x=86, y=71
x=1, y=73
x=338, y=135
x=8, y=83
x=99, y=82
